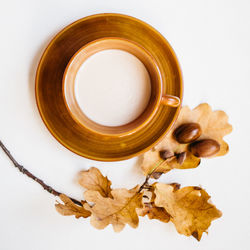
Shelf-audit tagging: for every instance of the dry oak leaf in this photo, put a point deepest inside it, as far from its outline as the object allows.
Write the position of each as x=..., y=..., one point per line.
x=118, y=211
x=70, y=208
x=154, y=212
x=93, y=179
x=152, y=158
x=189, y=208
x=150, y=209
x=214, y=125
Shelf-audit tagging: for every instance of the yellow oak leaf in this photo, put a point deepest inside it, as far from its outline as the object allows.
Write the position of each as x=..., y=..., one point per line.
x=154, y=212
x=150, y=209
x=93, y=179
x=214, y=125
x=118, y=211
x=70, y=208
x=152, y=157
x=189, y=208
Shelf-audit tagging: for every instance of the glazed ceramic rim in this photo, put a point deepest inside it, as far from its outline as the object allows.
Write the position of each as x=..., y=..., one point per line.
x=109, y=159
x=146, y=120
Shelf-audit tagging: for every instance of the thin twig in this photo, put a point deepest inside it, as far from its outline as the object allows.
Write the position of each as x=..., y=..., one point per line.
x=144, y=183
x=158, y=164
x=33, y=177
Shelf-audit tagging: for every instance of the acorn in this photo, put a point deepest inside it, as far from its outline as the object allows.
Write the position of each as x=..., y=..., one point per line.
x=187, y=133
x=204, y=148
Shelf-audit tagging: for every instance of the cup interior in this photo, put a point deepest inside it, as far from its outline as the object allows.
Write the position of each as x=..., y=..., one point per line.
x=104, y=44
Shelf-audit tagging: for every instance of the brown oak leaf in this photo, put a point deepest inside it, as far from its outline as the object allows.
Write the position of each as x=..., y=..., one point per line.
x=152, y=157
x=70, y=208
x=154, y=212
x=118, y=211
x=93, y=179
x=214, y=125
x=150, y=209
x=189, y=208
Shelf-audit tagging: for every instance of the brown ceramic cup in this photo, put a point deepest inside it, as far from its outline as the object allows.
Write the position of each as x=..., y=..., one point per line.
x=157, y=97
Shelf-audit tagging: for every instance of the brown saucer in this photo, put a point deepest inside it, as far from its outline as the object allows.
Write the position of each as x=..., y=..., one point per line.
x=49, y=94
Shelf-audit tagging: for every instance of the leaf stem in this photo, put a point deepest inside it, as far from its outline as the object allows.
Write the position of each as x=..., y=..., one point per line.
x=157, y=165
x=33, y=177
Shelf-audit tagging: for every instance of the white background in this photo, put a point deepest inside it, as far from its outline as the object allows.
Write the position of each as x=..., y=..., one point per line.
x=212, y=42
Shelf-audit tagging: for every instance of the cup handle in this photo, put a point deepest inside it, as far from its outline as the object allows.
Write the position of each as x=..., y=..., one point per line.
x=170, y=100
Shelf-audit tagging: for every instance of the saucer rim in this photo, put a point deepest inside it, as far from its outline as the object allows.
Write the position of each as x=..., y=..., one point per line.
x=120, y=158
